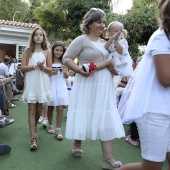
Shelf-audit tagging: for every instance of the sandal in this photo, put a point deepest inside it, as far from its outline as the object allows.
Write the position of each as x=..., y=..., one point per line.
x=131, y=141
x=34, y=143
x=50, y=129
x=58, y=134
x=5, y=121
x=109, y=164
x=10, y=105
x=77, y=151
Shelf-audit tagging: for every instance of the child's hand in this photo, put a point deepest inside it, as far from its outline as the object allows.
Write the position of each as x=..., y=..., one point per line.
x=40, y=65
x=55, y=71
x=64, y=69
x=116, y=36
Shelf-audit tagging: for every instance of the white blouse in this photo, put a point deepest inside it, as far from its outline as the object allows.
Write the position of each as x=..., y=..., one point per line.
x=143, y=92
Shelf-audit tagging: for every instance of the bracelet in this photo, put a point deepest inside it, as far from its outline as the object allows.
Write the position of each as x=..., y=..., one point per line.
x=35, y=66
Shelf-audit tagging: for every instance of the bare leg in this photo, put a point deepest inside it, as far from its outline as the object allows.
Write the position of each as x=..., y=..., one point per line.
x=144, y=165
x=50, y=114
x=108, y=160
x=45, y=109
x=38, y=112
x=32, y=125
x=59, y=116
x=107, y=148
x=168, y=158
x=31, y=118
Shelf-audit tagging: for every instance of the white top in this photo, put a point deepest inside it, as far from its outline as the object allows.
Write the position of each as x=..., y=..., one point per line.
x=100, y=46
x=4, y=70
x=13, y=68
x=143, y=92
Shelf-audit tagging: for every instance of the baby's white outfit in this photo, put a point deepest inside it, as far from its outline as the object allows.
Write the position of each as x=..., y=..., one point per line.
x=123, y=62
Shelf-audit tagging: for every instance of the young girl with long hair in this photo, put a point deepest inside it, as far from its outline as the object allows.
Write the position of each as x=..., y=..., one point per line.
x=59, y=89
x=36, y=62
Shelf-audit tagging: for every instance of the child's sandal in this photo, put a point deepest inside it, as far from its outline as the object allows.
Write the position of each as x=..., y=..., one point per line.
x=50, y=129
x=34, y=140
x=59, y=134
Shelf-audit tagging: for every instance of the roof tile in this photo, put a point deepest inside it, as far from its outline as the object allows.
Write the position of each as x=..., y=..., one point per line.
x=18, y=24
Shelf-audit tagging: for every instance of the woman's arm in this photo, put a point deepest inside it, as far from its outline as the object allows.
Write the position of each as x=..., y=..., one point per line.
x=162, y=66
x=74, y=67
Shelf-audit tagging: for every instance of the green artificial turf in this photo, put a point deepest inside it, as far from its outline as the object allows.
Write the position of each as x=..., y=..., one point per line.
x=51, y=153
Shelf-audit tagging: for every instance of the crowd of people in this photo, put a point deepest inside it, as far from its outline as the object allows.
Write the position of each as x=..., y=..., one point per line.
x=97, y=108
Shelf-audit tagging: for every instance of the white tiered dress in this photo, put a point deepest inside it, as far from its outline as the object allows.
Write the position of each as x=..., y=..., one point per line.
x=92, y=111
x=58, y=88
x=37, y=84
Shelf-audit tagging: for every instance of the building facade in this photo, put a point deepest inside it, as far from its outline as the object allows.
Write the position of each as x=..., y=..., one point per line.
x=14, y=37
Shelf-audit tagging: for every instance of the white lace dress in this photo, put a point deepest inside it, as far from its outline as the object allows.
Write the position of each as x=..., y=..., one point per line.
x=37, y=85
x=92, y=111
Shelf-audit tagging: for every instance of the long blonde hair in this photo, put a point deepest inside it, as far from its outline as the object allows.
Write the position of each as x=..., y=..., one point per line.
x=31, y=48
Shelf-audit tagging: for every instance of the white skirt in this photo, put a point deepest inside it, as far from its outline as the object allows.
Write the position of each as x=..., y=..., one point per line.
x=92, y=112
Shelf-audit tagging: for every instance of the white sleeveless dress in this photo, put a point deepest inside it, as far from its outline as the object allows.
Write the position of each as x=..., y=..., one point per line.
x=58, y=88
x=37, y=85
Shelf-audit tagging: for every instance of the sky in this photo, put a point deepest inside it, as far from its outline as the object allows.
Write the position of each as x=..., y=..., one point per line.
x=119, y=5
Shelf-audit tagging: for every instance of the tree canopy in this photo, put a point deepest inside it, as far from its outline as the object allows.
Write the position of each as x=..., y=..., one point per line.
x=66, y=15
x=140, y=22
x=8, y=8
x=62, y=18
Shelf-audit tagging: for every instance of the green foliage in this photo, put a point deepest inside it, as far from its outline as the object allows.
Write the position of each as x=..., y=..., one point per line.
x=33, y=4
x=63, y=17
x=9, y=7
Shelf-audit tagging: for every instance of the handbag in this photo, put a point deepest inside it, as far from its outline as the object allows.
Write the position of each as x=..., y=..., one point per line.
x=19, y=80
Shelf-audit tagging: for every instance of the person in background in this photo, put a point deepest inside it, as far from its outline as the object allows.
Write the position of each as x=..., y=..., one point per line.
x=148, y=97
x=92, y=112
x=36, y=62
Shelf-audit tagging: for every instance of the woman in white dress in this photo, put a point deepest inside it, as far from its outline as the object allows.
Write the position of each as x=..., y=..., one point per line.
x=36, y=62
x=92, y=111
x=59, y=89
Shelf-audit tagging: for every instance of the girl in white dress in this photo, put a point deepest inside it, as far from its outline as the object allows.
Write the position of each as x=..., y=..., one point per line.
x=92, y=111
x=36, y=62
x=59, y=89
